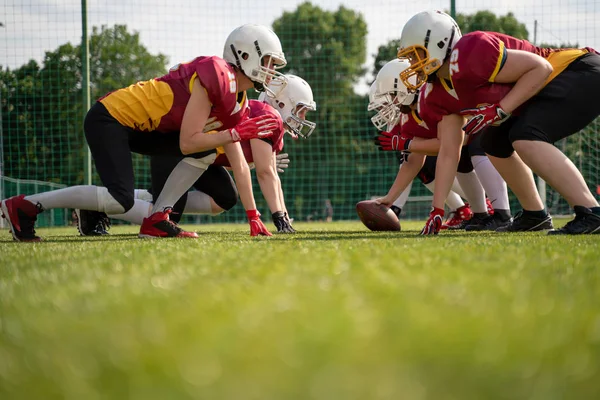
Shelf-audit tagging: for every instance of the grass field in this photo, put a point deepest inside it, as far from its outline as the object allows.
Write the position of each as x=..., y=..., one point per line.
x=335, y=312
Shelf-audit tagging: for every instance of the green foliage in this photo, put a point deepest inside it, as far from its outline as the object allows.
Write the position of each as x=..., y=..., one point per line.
x=42, y=105
x=488, y=21
x=334, y=312
x=327, y=49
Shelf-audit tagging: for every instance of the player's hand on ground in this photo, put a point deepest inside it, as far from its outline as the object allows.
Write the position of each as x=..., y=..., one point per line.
x=282, y=222
x=256, y=225
x=254, y=128
x=481, y=117
x=434, y=223
x=282, y=161
x=387, y=141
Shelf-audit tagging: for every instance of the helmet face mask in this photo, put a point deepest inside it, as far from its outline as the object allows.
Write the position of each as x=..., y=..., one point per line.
x=292, y=97
x=427, y=40
x=256, y=51
x=388, y=94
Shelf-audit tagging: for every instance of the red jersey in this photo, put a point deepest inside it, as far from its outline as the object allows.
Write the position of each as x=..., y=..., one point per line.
x=159, y=104
x=411, y=125
x=256, y=109
x=478, y=57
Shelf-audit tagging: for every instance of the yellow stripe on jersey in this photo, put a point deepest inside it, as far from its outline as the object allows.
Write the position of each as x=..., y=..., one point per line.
x=141, y=105
x=561, y=59
x=498, y=63
x=220, y=150
x=416, y=117
x=192, y=79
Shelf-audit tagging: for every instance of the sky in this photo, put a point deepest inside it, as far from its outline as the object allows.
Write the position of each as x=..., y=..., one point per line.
x=191, y=28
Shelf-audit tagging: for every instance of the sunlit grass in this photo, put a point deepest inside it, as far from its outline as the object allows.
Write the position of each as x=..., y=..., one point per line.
x=334, y=312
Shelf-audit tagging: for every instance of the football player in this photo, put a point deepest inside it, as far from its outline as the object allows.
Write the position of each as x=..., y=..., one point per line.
x=413, y=135
x=516, y=94
x=289, y=100
x=170, y=115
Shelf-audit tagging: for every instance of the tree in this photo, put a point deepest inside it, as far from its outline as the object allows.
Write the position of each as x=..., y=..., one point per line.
x=488, y=21
x=42, y=105
x=327, y=49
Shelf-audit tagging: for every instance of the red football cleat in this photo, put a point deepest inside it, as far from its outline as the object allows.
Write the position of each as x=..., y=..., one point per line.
x=490, y=207
x=159, y=225
x=21, y=215
x=458, y=218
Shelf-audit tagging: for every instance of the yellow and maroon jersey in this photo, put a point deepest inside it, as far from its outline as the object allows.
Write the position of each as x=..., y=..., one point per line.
x=478, y=57
x=256, y=109
x=411, y=125
x=159, y=104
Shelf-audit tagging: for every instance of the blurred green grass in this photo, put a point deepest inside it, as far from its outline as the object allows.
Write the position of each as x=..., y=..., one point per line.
x=334, y=312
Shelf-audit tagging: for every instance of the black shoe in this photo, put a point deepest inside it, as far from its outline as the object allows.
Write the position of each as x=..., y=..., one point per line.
x=397, y=210
x=491, y=223
x=523, y=222
x=478, y=219
x=585, y=222
x=92, y=223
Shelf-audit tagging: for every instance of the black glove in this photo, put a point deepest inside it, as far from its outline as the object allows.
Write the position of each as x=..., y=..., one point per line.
x=282, y=222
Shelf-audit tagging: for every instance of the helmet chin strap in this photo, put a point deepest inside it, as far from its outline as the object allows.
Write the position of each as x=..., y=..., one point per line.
x=259, y=87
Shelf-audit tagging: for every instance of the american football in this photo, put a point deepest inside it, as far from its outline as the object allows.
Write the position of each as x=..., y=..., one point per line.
x=377, y=217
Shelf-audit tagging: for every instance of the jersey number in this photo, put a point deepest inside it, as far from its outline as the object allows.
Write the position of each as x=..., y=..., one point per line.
x=232, y=83
x=454, y=62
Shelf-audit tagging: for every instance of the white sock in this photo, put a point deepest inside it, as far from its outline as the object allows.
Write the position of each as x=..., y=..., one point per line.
x=474, y=192
x=137, y=213
x=457, y=189
x=142, y=194
x=198, y=203
x=453, y=201
x=84, y=197
x=401, y=200
x=181, y=179
x=492, y=182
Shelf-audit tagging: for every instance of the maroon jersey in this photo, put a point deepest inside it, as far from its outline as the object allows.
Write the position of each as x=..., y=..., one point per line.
x=159, y=104
x=478, y=57
x=256, y=109
x=411, y=125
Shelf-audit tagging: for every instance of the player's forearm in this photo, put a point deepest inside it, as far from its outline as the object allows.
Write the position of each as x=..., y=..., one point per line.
x=243, y=180
x=281, y=198
x=201, y=141
x=430, y=147
x=407, y=172
x=528, y=85
x=267, y=179
x=445, y=172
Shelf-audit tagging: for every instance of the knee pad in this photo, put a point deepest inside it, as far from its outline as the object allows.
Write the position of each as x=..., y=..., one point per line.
x=218, y=184
x=227, y=197
x=496, y=143
x=427, y=173
x=203, y=162
x=116, y=203
x=475, y=147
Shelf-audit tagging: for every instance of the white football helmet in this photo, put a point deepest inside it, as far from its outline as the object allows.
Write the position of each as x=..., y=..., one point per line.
x=292, y=97
x=247, y=48
x=427, y=41
x=388, y=93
